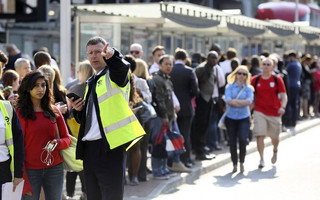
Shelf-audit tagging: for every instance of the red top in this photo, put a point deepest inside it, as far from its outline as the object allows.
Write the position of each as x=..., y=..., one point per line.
x=316, y=83
x=267, y=99
x=37, y=133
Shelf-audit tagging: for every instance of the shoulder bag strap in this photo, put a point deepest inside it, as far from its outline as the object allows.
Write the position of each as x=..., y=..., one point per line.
x=236, y=97
x=240, y=92
x=219, y=93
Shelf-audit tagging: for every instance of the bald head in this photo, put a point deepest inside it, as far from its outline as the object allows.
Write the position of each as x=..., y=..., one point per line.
x=136, y=50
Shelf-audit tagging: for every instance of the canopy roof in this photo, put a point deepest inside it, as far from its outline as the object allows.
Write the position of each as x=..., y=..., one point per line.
x=191, y=18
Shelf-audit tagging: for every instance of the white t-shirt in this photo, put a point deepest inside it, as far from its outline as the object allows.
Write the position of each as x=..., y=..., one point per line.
x=4, y=151
x=94, y=131
x=154, y=68
x=221, y=79
x=226, y=67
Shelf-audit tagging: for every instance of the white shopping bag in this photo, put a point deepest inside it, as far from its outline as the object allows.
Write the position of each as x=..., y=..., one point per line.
x=8, y=194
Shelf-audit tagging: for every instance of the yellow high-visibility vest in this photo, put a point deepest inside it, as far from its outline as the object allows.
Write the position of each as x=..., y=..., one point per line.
x=6, y=110
x=120, y=125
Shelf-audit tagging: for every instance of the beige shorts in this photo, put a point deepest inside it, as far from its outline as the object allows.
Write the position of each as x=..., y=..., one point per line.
x=264, y=125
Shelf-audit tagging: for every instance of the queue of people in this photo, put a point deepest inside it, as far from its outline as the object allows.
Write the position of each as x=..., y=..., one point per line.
x=188, y=97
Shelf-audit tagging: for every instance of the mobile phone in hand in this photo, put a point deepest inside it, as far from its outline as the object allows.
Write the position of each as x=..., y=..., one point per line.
x=75, y=97
x=137, y=108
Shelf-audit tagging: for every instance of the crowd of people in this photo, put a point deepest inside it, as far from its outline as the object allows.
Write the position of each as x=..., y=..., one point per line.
x=260, y=96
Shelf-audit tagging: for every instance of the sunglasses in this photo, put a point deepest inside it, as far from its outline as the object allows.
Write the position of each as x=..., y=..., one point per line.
x=134, y=52
x=268, y=64
x=240, y=73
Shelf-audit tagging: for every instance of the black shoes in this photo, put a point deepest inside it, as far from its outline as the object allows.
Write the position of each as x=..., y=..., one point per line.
x=217, y=148
x=204, y=156
x=188, y=164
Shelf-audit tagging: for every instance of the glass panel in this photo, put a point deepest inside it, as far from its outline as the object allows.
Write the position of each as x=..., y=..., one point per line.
x=152, y=42
x=177, y=42
x=141, y=37
x=198, y=46
x=166, y=41
x=88, y=30
x=189, y=47
x=125, y=41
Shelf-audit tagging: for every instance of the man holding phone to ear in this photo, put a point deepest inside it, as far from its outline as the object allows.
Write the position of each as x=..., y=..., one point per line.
x=107, y=123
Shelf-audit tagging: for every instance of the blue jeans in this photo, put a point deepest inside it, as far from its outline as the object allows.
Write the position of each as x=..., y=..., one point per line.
x=159, y=165
x=292, y=106
x=50, y=178
x=238, y=130
x=212, y=134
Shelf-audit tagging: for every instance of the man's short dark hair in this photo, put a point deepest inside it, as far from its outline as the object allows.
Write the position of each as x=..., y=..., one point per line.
x=158, y=48
x=41, y=58
x=3, y=58
x=292, y=54
x=180, y=54
x=96, y=40
x=265, y=53
x=132, y=62
x=231, y=53
x=196, y=57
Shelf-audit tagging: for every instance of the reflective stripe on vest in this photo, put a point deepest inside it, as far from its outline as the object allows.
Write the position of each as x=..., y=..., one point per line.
x=119, y=124
x=6, y=111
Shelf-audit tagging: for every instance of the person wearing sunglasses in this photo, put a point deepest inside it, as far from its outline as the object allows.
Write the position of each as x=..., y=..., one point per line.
x=268, y=108
x=238, y=97
x=136, y=50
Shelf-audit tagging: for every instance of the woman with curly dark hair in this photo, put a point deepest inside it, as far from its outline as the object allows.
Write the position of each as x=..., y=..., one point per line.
x=41, y=121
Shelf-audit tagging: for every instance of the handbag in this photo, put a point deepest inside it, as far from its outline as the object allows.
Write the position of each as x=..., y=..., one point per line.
x=159, y=144
x=167, y=143
x=68, y=155
x=174, y=143
x=146, y=113
x=221, y=123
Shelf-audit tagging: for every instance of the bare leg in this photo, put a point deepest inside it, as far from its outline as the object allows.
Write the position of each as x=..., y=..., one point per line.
x=260, y=145
x=136, y=157
x=275, y=143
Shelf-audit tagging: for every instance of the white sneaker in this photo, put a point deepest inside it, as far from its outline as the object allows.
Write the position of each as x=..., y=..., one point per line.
x=284, y=128
x=261, y=164
x=293, y=130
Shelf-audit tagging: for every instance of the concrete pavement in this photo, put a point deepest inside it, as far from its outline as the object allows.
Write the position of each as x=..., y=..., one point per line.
x=152, y=188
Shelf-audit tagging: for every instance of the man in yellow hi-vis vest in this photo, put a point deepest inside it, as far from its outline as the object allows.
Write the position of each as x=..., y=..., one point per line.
x=11, y=146
x=107, y=124
x=11, y=140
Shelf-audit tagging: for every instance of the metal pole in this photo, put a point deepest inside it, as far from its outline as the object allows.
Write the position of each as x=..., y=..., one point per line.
x=65, y=39
x=77, y=42
x=296, y=16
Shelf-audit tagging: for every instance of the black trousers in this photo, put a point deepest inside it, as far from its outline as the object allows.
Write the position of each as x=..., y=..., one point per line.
x=184, y=123
x=200, y=124
x=5, y=174
x=104, y=171
x=71, y=178
x=142, y=174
